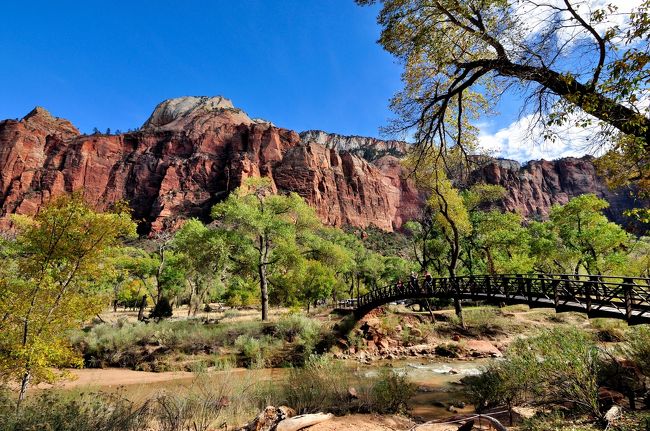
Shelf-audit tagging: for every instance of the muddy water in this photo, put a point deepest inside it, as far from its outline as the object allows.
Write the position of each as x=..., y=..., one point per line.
x=437, y=382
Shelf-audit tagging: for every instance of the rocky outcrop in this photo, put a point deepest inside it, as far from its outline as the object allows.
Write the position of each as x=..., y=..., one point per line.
x=187, y=156
x=193, y=151
x=533, y=188
x=367, y=148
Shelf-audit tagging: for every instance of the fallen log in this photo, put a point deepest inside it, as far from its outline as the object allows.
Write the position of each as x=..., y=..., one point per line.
x=299, y=422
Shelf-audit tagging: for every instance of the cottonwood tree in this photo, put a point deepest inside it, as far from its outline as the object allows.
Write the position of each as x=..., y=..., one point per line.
x=262, y=224
x=49, y=284
x=568, y=57
x=205, y=254
x=597, y=244
x=448, y=210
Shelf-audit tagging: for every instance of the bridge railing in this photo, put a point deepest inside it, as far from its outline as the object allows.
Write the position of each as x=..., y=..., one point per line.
x=593, y=294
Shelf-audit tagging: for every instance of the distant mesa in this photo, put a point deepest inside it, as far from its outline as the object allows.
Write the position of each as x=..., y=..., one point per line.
x=193, y=151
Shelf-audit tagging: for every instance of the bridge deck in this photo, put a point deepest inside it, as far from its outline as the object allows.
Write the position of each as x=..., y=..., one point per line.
x=620, y=297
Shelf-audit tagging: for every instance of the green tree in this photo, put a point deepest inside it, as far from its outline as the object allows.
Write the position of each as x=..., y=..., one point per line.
x=263, y=224
x=460, y=54
x=205, y=253
x=503, y=241
x=50, y=284
x=597, y=244
x=448, y=209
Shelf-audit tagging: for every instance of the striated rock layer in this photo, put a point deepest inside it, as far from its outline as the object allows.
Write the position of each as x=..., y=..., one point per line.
x=188, y=155
x=193, y=151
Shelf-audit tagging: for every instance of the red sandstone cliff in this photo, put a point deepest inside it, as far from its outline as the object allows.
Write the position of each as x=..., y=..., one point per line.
x=189, y=155
x=533, y=188
x=192, y=151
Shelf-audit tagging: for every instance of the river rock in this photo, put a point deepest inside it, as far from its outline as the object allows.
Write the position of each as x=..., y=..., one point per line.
x=482, y=348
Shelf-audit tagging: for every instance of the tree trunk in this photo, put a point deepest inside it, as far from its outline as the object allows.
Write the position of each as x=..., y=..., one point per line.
x=452, y=275
x=189, y=305
x=24, y=383
x=264, y=290
x=143, y=304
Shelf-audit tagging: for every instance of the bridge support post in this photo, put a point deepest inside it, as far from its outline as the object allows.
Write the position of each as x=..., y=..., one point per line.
x=488, y=285
x=628, y=284
x=587, y=288
x=529, y=290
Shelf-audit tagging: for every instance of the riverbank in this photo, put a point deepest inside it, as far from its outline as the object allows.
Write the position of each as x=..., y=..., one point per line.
x=227, y=357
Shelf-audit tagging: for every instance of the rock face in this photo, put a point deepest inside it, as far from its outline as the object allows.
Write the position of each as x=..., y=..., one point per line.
x=532, y=189
x=367, y=148
x=187, y=156
x=193, y=151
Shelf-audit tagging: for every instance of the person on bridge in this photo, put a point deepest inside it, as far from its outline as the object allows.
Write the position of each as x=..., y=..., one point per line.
x=400, y=286
x=427, y=281
x=413, y=281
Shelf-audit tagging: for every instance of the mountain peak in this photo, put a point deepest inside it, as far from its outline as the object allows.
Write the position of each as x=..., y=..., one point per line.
x=38, y=112
x=178, y=113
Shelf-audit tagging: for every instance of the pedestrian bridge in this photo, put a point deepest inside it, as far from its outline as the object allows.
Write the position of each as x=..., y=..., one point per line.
x=619, y=297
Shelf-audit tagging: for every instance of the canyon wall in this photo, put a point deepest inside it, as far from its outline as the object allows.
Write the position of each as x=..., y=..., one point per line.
x=187, y=156
x=193, y=151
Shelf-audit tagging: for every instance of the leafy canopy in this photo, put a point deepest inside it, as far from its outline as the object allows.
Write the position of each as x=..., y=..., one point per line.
x=49, y=283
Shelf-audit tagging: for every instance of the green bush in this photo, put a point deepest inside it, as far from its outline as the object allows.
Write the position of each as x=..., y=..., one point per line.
x=558, y=365
x=324, y=385
x=303, y=332
x=251, y=350
x=91, y=412
x=391, y=392
x=637, y=348
x=206, y=405
x=138, y=345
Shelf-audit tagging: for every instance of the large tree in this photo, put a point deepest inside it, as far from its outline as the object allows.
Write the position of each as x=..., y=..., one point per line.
x=565, y=55
x=263, y=226
x=50, y=279
x=205, y=255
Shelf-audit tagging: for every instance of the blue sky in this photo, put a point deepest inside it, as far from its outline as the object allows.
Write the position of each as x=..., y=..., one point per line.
x=299, y=63
x=302, y=64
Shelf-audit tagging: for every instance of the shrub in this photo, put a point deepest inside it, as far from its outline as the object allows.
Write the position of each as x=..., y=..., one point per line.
x=91, y=412
x=251, y=351
x=637, y=348
x=320, y=385
x=134, y=345
x=324, y=385
x=304, y=332
x=559, y=365
x=205, y=405
x=391, y=392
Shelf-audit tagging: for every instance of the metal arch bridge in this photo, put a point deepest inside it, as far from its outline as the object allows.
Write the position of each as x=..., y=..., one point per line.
x=619, y=297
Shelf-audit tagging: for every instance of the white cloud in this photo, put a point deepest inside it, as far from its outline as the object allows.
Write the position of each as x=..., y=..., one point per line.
x=523, y=140
x=535, y=17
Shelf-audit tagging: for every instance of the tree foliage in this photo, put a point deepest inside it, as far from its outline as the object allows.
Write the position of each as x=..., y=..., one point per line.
x=266, y=227
x=49, y=283
x=459, y=55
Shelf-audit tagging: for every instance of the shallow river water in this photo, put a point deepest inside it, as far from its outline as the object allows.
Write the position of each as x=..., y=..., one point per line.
x=437, y=382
